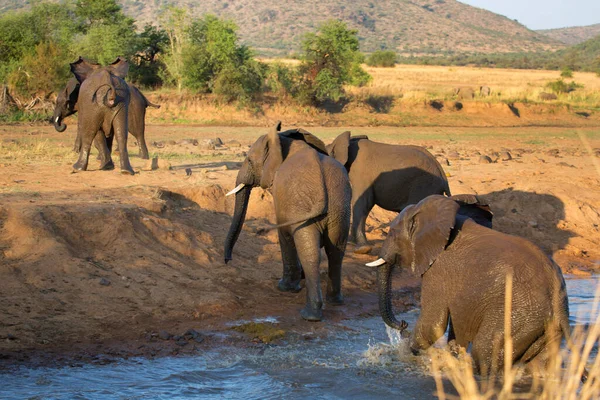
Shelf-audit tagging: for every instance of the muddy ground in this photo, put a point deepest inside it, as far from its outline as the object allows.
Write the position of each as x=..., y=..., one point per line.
x=96, y=263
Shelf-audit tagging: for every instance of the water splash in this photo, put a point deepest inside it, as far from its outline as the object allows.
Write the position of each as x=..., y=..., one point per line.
x=397, y=351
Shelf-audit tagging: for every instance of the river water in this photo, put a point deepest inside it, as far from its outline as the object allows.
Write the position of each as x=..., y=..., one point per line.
x=357, y=361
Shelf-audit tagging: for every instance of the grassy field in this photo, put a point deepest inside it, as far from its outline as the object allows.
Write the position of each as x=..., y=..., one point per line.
x=403, y=96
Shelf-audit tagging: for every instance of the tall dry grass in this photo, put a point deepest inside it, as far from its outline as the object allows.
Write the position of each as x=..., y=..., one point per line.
x=559, y=378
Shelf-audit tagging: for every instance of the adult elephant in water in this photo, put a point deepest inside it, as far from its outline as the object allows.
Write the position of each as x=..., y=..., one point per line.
x=464, y=267
x=390, y=176
x=67, y=104
x=311, y=193
x=103, y=104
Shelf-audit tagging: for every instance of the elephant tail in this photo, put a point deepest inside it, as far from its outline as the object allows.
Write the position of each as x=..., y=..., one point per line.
x=148, y=102
x=566, y=330
x=264, y=230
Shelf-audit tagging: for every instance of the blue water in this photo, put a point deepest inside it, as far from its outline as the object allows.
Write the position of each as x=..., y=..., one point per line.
x=352, y=363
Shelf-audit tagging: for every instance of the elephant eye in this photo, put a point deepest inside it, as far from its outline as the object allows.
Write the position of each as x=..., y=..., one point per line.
x=413, y=226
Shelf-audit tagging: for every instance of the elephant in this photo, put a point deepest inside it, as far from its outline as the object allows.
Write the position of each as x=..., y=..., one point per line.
x=390, y=176
x=311, y=193
x=464, y=93
x=66, y=104
x=484, y=91
x=103, y=104
x=464, y=267
x=548, y=96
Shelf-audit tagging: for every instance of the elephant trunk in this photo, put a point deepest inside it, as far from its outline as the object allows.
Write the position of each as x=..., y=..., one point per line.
x=241, y=206
x=59, y=125
x=384, y=282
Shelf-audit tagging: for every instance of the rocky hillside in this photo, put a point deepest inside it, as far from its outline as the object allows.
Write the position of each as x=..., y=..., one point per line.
x=406, y=26
x=572, y=35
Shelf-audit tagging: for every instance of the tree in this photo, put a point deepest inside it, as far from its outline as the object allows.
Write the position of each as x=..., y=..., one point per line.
x=146, y=66
x=382, y=59
x=331, y=59
x=175, y=24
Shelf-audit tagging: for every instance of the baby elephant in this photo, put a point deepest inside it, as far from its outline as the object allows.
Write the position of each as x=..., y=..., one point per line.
x=464, y=267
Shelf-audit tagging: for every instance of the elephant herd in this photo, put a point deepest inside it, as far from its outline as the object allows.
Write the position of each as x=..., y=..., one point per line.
x=446, y=240
x=322, y=197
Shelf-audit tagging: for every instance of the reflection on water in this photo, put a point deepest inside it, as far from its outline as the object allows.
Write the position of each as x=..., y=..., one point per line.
x=357, y=361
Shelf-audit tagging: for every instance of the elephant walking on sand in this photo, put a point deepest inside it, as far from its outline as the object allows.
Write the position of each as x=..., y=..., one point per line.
x=390, y=176
x=103, y=104
x=464, y=267
x=311, y=194
x=66, y=104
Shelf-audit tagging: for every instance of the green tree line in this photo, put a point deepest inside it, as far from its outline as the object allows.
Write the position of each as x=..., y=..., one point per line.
x=200, y=55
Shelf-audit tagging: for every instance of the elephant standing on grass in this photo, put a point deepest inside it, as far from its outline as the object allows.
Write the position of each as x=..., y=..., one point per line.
x=66, y=104
x=311, y=193
x=464, y=267
x=103, y=104
x=390, y=176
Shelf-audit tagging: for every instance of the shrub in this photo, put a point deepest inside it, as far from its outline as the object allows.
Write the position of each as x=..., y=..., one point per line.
x=560, y=86
x=382, y=59
x=331, y=60
x=566, y=73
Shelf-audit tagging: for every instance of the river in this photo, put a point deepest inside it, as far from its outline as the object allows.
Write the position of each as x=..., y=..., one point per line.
x=356, y=361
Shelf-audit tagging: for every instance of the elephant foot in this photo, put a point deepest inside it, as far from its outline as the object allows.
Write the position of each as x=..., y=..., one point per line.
x=288, y=286
x=109, y=166
x=336, y=300
x=363, y=249
x=79, y=166
x=310, y=314
x=127, y=171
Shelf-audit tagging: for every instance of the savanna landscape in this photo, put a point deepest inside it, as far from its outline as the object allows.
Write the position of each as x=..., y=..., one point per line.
x=98, y=267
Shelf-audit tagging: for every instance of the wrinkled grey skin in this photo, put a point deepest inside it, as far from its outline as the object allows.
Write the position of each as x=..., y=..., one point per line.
x=66, y=104
x=390, y=176
x=103, y=108
x=464, y=93
x=311, y=194
x=464, y=266
x=485, y=91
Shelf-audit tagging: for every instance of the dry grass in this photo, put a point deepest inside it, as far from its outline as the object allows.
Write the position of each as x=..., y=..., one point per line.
x=561, y=379
x=430, y=82
x=400, y=96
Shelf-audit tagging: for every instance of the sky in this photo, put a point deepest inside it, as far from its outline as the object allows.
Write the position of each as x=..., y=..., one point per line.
x=544, y=14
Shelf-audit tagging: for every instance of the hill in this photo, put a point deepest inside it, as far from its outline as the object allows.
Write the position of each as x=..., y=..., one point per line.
x=572, y=35
x=405, y=26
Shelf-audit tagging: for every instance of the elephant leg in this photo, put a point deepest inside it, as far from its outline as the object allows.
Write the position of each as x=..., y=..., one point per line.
x=307, y=240
x=120, y=129
x=430, y=327
x=292, y=272
x=487, y=349
x=106, y=163
x=360, y=211
x=138, y=133
x=335, y=255
x=84, y=153
x=77, y=145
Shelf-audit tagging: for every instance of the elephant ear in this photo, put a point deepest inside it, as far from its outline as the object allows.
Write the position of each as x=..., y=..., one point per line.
x=428, y=226
x=339, y=148
x=82, y=69
x=72, y=91
x=473, y=207
x=119, y=67
x=306, y=136
x=273, y=157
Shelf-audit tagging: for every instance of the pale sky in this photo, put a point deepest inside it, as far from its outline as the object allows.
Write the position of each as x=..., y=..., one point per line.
x=544, y=14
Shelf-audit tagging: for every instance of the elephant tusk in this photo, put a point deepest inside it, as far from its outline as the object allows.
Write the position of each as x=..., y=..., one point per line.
x=376, y=263
x=236, y=189
x=56, y=120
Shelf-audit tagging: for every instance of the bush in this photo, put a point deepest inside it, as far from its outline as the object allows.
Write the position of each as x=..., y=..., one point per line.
x=560, y=86
x=331, y=60
x=382, y=59
x=566, y=73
